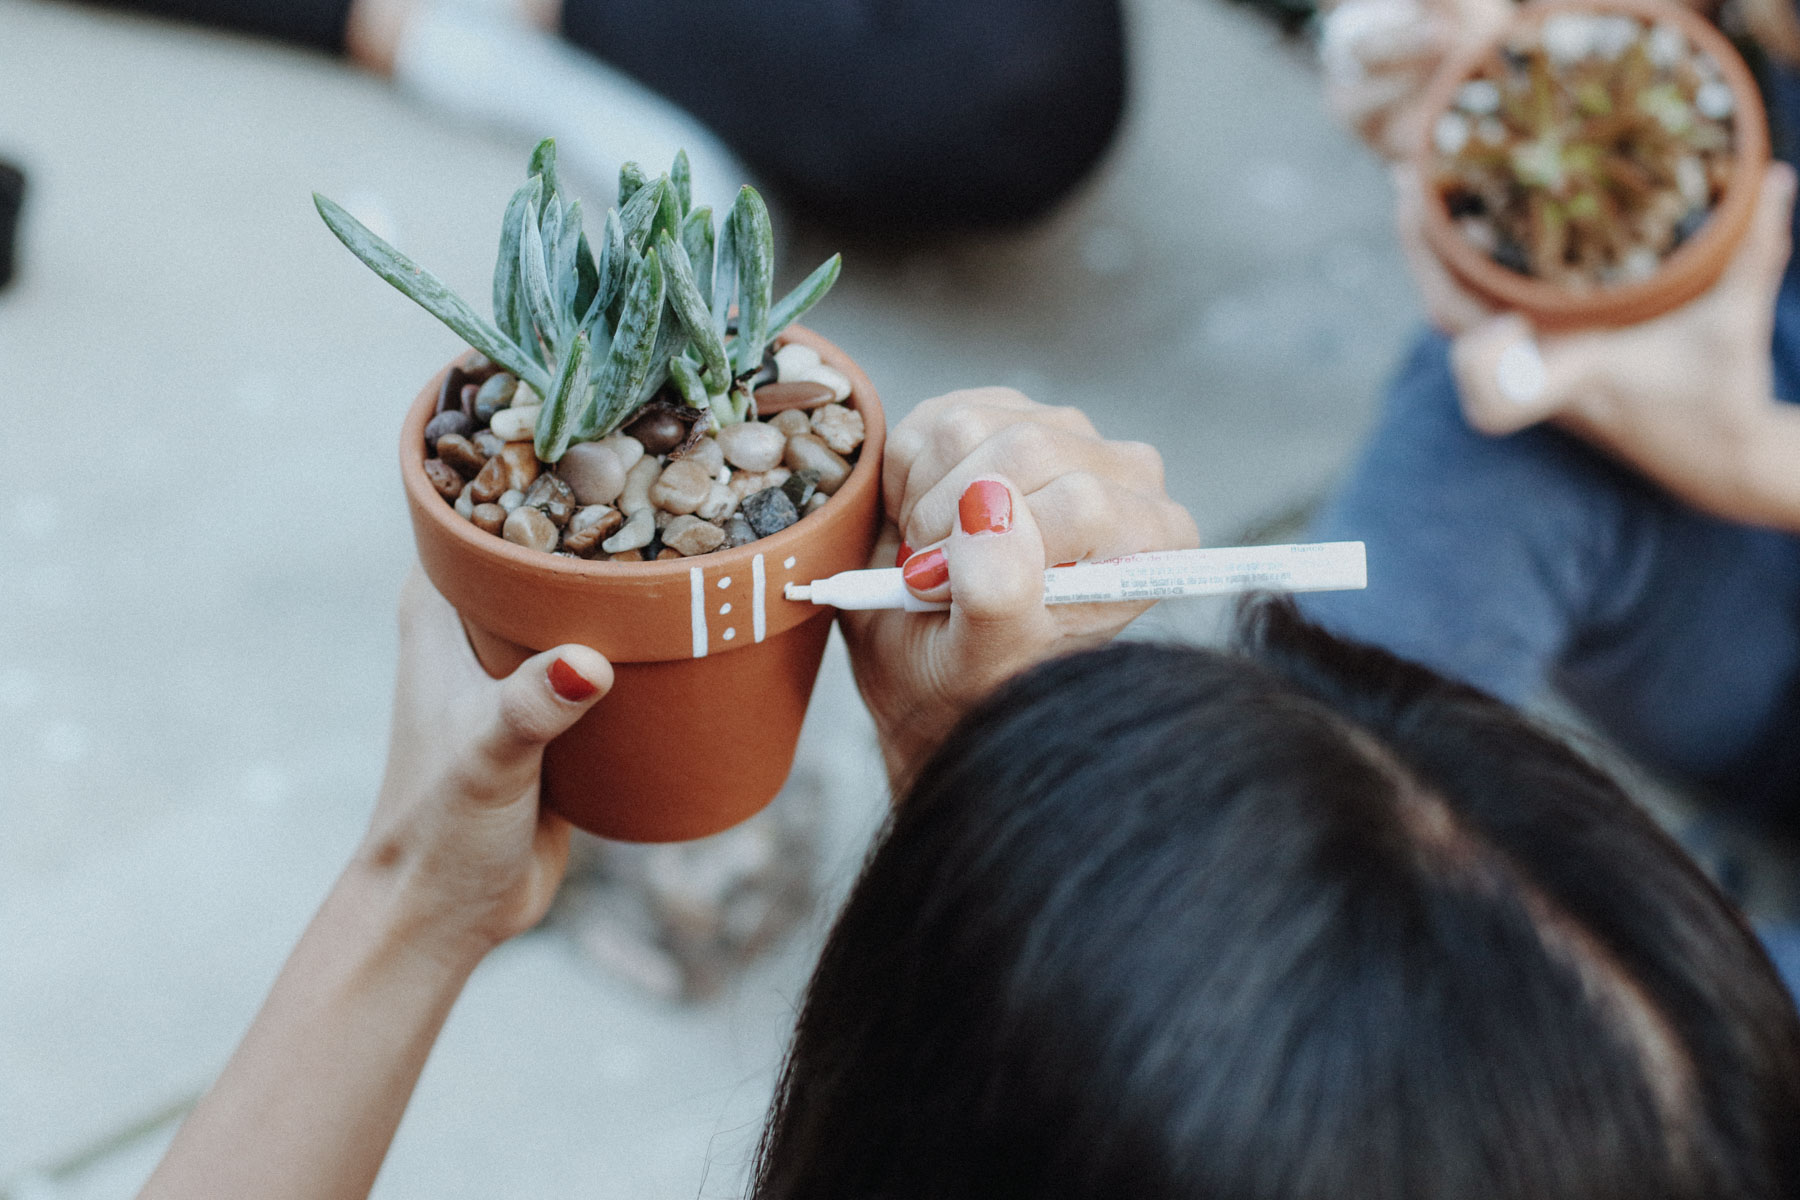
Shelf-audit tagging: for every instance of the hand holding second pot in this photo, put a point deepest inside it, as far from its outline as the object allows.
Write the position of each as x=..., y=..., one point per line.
x=457, y=832
x=984, y=490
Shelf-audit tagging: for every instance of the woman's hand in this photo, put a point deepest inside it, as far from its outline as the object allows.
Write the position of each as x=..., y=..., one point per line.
x=457, y=830
x=1687, y=398
x=984, y=489
x=1378, y=56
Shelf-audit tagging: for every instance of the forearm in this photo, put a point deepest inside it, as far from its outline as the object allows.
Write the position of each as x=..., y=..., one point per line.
x=310, y=1101
x=1772, y=455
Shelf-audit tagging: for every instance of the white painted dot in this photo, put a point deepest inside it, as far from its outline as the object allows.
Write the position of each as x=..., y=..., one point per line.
x=789, y=562
x=724, y=583
x=730, y=633
x=64, y=743
x=725, y=609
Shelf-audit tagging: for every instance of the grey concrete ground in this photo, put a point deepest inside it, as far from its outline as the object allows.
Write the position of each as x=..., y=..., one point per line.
x=201, y=538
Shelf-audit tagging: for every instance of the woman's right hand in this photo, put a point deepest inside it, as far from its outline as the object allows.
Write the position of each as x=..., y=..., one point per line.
x=1378, y=56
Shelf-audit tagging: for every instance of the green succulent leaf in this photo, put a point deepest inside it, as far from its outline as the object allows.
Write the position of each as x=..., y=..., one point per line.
x=669, y=214
x=568, y=395
x=587, y=281
x=628, y=359
x=565, y=282
x=686, y=378
x=812, y=289
x=510, y=311
x=725, y=276
x=754, y=238
x=429, y=292
x=543, y=165
x=535, y=273
x=681, y=176
x=697, y=240
x=631, y=181
x=613, y=263
x=695, y=317
x=671, y=337
x=638, y=215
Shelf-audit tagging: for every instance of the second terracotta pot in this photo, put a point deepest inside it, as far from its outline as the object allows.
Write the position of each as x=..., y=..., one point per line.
x=713, y=667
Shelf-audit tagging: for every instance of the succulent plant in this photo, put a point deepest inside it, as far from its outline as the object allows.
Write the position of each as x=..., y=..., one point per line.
x=600, y=333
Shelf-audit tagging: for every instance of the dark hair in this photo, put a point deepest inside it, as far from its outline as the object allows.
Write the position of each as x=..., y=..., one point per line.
x=1301, y=921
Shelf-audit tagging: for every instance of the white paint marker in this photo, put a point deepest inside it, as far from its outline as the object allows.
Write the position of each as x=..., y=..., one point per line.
x=1161, y=575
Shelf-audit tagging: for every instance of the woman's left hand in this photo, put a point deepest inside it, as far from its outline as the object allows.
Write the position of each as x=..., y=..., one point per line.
x=1687, y=398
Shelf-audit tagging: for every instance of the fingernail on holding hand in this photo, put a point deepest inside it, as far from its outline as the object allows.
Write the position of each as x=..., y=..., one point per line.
x=926, y=570
x=569, y=683
x=906, y=552
x=986, y=507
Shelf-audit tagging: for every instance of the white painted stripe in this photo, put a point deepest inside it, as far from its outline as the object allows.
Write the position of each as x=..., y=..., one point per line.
x=697, y=608
x=759, y=617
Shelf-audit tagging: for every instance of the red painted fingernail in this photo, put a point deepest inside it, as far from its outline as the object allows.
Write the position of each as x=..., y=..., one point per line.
x=569, y=683
x=905, y=553
x=986, y=507
x=926, y=569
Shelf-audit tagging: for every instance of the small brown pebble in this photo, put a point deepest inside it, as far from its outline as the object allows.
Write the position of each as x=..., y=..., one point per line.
x=552, y=497
x=528, y=527
x=667, y=553
x=806, y=452
x=444, y=478
x=792, y=422
x=603, y=517
x=593, y=471
x=629, y=556
x=490, y=518
x=773, y=398
x=469, y=392
x=476, y=365
x=691, y=536
x=490, y=481
x=585, y=542
x=453, y=421
x=682, y=487
x=658, y=431
x=465, y=506
x=461, y=453
x=488, y=442
x=839, y=427
x=520, y=462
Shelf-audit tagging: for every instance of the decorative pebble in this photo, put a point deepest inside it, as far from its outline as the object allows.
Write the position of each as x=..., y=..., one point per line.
x=659, y=431
x=628, y=448
x=490, y=481
x=634, y=534
x=489, y=517
x=800, y=487
x=515, y=424
x=603, y=517
x=461, y=453
x=793, y=361
x=638, y=480
x=528, y=527
x=817, y=501
x=836, y=380
x=444, y=478
x=738, y=532
x=692, y=536
x=839, y=427
x=719, y=504
x=1450, y=134
x=520, y=463
x=747, y=483
x=706, y=452
x=476, y=365
x=1715, y=100
x=628, y=556
x=553, y=498
x=663, y=517
x=467, y=400
x=510, y=499
x=681, y=487
x=465, y=507
x=791, y=422
x=779, y=397
x=806, y=452
x=584, y=542
x=450, y=391
x=1479, y=97
x=450, y=421
x=593, y=471
x=667, y=553
x=497, y=393
x=488, y=442
x=768, y=511
x=752, y=445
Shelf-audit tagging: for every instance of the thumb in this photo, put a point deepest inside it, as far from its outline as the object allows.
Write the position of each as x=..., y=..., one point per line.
x=1507, y=380
x=1760, y=262
x=547, y=694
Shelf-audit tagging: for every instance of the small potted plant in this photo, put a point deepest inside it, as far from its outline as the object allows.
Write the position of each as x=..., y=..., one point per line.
x=1596, y=164
x=639, y=452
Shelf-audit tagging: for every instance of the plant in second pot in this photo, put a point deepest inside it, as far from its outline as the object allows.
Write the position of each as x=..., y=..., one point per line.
x=639, y=451
x=1596, y=164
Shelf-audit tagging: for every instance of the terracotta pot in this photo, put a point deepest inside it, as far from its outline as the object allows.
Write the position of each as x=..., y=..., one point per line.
x=712, y=666
x=1694, y=266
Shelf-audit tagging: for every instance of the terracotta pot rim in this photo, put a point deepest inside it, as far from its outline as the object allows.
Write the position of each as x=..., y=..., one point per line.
x=1686, y=272
x=428, y=500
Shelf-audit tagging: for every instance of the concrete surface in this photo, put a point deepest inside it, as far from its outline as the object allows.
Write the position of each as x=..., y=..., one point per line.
x=195, y=654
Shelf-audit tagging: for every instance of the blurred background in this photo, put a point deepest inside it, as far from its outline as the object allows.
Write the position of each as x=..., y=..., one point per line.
x=202, y=537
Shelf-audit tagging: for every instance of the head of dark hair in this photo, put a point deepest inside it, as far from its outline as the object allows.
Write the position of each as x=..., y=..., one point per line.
x=1299, y=922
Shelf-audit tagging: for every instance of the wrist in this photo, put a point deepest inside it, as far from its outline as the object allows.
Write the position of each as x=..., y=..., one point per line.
x=403, y=927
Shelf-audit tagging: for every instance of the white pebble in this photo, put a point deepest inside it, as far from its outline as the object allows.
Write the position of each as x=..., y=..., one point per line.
x=525, y=397
x=628, y=448
x=638, y=481
x=1450, y=134
x=510, y=499
x=1569, y=37
x=719, y=504
x=836, y=380
x=635, y=535
x=1479, y=98
x=1715, y=101
x=1639, y=263
x=516, y=424
x=1614, y=35
x=793, y=360
x=1666, y=47
x=1690, y=181
x=465, y=502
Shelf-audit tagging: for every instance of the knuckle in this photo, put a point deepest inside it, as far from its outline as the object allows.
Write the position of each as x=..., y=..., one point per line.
x=959, y=435
x=1023, y=442
x=1145, y=462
